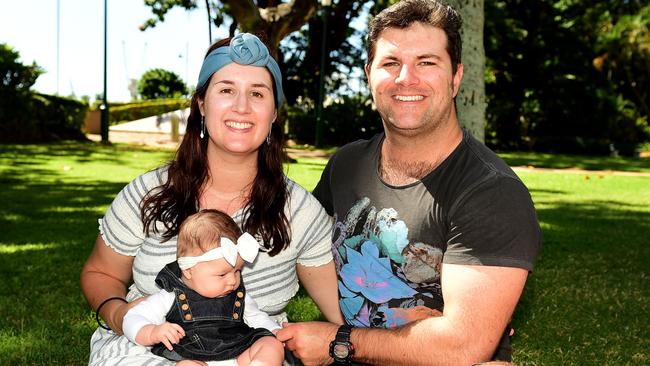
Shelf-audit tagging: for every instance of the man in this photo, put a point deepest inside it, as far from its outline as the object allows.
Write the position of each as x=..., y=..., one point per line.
x=435, y=235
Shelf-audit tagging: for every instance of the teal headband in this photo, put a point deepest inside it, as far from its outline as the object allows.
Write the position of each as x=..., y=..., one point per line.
x=244, y=49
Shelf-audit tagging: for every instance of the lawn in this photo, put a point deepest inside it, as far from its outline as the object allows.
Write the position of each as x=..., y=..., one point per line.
x=585, y=304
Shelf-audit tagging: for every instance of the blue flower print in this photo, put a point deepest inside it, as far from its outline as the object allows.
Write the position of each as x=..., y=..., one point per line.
x=372, y=276
x=350, y=302
x=362, y=319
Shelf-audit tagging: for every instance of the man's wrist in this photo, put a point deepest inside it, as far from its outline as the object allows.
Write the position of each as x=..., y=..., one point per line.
x=341, y=348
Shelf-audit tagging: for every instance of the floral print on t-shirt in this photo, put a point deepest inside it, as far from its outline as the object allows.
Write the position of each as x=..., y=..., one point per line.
x=385, y=280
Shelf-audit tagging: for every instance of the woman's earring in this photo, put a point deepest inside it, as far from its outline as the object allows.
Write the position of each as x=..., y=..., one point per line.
x=202, y=127
x=268, y=138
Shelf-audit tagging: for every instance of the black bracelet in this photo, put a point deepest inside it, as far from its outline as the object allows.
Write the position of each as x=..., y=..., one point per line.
x=99, y=322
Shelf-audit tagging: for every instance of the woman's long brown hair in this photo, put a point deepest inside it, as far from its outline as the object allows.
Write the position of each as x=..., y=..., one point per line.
x=177, y=198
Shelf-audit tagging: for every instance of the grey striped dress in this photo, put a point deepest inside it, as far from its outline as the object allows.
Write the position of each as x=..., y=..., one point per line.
x=272, y=281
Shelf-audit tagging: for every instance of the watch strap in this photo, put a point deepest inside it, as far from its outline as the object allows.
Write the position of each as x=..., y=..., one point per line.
x=343, y=334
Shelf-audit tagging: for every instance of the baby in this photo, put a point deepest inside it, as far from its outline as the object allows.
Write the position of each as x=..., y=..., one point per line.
x=203, y=312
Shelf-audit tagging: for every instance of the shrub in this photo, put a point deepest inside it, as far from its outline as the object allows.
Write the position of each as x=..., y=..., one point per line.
x=59, y=117
x=160, y=83
x=42, y=117
x=345, y=119
x=15, y=81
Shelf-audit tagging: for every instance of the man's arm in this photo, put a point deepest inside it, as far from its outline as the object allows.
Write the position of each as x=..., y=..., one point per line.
x=479, y=301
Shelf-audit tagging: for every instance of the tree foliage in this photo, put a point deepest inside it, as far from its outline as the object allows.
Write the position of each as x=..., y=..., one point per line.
x=160, y=83
x=15, y=96
x=272, y=18
x=27, y=116
x=300, y=55
x=16, y=76
x=565, y=75
x=561, y=75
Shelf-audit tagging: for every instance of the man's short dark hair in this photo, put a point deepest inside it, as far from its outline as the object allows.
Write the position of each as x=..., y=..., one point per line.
x=430, y=12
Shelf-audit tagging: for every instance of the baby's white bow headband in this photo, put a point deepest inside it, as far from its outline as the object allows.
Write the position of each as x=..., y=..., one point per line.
x=247, y=247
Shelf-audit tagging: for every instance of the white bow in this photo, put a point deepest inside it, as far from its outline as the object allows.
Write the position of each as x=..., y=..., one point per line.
x=247, y=247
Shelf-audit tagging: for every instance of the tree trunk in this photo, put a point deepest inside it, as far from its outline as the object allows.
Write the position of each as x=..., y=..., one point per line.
x=275, y=21
x=471, y=97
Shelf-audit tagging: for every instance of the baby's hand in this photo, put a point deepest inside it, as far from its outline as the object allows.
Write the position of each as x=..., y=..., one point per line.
x=167, y=333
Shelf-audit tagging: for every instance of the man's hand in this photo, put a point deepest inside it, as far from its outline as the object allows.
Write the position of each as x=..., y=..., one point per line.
x=167, y=333
x=309, y=341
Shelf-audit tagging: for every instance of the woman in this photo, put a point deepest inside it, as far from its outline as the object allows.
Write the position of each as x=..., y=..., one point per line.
x=230, y=160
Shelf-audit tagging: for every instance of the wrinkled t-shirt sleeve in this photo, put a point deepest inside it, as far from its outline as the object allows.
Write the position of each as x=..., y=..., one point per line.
x=311, y=229
x=121, y=227
x=322, y=192
x=495, y=224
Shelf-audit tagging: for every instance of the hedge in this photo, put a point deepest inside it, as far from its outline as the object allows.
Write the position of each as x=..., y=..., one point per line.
x=41, y=117
x=119, y=113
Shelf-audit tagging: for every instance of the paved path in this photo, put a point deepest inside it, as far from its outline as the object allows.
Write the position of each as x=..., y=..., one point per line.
x=149, y=131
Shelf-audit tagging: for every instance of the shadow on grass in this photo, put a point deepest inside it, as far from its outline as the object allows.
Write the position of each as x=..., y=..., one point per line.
x=81, y=152
x=46, y=234
x=587, y=300
x=556, y=161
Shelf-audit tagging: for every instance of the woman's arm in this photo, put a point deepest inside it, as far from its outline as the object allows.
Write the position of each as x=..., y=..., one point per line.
x=107, y=274
x=321, y=284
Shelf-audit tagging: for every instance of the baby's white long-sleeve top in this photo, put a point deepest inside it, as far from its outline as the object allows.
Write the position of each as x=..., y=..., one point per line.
x=154, y=308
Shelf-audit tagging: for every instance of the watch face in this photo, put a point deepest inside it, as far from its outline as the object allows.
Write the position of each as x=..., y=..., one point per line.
x=341, y=351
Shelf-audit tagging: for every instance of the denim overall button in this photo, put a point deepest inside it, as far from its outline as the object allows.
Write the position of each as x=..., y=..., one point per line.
x=185, y=306
x=237, y=303
x=188, y=316
x=240, y=294
x=235, y=316
x=181, y=297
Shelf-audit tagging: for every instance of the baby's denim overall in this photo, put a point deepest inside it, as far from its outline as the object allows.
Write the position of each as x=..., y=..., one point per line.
x=214, y=327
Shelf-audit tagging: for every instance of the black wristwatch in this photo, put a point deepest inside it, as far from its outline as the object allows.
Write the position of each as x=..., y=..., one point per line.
x=341, y=349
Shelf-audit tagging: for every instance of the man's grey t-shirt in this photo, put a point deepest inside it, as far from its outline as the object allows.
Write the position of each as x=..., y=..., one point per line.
x=390, y=242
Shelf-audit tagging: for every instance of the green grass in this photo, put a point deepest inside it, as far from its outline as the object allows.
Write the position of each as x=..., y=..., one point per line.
x=585, y=304
x=554, y=161
x=587, y=301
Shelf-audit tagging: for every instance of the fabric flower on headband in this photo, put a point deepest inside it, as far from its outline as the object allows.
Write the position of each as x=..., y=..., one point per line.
x=246, y=49
x=246, y=247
